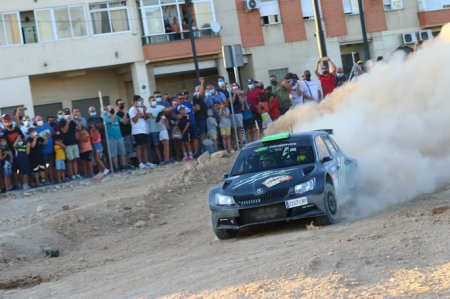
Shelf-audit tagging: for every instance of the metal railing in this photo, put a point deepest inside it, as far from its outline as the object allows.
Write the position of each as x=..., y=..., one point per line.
x=172, y=37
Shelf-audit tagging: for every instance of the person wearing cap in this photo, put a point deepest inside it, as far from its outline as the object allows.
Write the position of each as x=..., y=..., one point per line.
x=341, y=78
x=327, y=77
x=44, y=130
x=281, y=92
x=312, y=91
x=193, y=129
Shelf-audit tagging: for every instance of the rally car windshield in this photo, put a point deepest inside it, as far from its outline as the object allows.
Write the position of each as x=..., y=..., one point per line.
x=271, y=156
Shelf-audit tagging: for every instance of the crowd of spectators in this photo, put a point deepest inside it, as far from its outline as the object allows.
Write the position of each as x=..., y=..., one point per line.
x=161, y=130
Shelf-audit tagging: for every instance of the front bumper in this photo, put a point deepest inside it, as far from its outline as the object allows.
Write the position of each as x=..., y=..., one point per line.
x=235, y=217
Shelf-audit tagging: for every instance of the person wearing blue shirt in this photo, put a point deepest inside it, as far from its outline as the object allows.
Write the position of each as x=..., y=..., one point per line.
x=193, y=130
x=115, y=139
x=213, y=96
x=45, y=130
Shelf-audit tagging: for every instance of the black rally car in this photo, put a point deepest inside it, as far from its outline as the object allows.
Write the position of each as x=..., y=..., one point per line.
x=283, y=177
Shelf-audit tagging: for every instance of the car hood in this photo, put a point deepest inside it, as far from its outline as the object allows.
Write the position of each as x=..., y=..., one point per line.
x=260, y=182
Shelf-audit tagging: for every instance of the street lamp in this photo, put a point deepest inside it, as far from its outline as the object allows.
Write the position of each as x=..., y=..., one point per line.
x=191, y=34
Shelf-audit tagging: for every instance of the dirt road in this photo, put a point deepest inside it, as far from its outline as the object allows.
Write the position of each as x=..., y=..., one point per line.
x=148, y=235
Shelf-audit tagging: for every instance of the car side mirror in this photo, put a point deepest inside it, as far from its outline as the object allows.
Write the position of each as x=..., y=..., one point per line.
x=326, y=159
x=225, y=175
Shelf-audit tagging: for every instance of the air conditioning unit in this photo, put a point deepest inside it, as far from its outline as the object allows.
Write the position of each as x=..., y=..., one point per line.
x=409, y=38
x=425, y=35
x=252, y=4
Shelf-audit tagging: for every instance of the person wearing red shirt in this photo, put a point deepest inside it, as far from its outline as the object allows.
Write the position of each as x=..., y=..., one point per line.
x=327, y=78
x=274, y=110
x=252, y=96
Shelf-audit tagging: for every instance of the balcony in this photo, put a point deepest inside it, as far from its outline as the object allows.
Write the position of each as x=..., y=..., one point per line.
x=173, y=37
x=435, y=18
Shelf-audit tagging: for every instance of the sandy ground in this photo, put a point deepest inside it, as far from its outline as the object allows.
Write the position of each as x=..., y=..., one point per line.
x=148, y=235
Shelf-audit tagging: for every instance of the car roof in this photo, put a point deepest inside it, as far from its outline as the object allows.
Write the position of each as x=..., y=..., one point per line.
x=290, y=136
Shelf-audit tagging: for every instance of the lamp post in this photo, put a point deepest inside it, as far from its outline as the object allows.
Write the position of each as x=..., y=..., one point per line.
x=319, y=31
x=363, y=29
x=194, y=51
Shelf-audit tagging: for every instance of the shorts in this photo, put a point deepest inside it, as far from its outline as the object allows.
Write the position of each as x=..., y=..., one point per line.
x=163, y=135
x=7, y=171
x=24, y=167
x=49, y=158
x=193, y=130
x=72, y=152
x=38, y=168
x=116, y=147
x=60, y=165
x=86, y=156
x=140, y=139
x=201, y=125
x=225, y=131
x=213, y=137
x=128, y=144
x=238, y=120
x=97, y=147
x=185, y=137
x=249, y=123
x=153, y=139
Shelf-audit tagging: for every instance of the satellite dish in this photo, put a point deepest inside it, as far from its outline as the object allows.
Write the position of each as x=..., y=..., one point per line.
x=215, y=27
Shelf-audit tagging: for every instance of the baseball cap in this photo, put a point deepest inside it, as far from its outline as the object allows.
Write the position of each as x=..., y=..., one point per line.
x=180, y=94
x=307, y=73
x=250, y=81
x=7, y=116
x=180, y=107
x=360, y=61
x=209, y=112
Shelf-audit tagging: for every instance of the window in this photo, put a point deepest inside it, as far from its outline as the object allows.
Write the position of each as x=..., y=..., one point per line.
x=351, y=6
x=308, y=9
x=436, y=4
x=321, y=148
x=279, y=73
x=270, y=12
x=10, y=29
x=110, y=17
x=329, y=145
x=393, y=4
x=61, y=23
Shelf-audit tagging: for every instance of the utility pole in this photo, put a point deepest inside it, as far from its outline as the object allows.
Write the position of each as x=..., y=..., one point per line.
x=319, y=31
x=363, y=29
x=191, y=34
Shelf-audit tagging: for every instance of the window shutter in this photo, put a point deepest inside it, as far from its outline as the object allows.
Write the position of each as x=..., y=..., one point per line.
x=432, y=4
x=269, y=8
x=347, y=6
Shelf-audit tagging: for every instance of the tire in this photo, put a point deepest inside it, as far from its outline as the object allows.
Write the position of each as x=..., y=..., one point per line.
x=330, y=205
x=222, y=234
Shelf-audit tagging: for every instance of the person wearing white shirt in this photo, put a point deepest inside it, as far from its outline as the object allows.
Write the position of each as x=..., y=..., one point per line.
x=311, y=88
x=139, y=130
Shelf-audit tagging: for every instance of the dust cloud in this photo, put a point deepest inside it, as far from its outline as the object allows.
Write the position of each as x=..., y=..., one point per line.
x=395, y=121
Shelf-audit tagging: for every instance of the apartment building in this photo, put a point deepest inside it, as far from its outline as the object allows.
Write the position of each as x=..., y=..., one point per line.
x=58, y=54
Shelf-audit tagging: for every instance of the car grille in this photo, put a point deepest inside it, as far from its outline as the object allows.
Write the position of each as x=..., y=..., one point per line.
x=262, y=214
x=268, y=197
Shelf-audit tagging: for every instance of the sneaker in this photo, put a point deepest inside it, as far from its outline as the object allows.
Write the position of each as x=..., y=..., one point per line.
x=169, y=162
x=190, y=157
x=78, y=176
x=149, y=164
x=142, y=166
x=196, y=155
x=25, y=187
x=73, y=177
x=106, y=171
x=186, y=159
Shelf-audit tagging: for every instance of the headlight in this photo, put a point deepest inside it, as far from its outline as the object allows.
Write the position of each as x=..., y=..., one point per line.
x=305, y=187
x=224, y=200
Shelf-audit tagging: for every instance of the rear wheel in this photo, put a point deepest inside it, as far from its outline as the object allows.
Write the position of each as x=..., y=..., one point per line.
x=222, y=234
x=330, y=207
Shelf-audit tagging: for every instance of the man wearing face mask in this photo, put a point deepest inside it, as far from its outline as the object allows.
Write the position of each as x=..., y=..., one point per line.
x=213, y=96
x=26, y=124
x=68, y=132
x=77, y=117
x=44, y=130
x=11, y=132
x=327, y=77
x=138, y=115
x=222, y=87
x=159, y=100
x=115, y=140
x=281, y=92
x=340, y=77
x=311, y=88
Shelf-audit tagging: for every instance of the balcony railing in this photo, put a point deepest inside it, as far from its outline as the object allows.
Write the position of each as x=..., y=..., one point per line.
x=173, y=37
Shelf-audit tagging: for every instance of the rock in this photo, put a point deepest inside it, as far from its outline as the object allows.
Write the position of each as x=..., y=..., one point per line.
x=169, y=191
x=3, y=258
x=204, y=158
x=141, y=203
x=152, y=216
x=219, y=154
x=41, y=208
x=140, y=223
x=81, y=219
x=162, y=223
x=65, y=208
x=127, y=208
x=98, y=177
x=26, y=194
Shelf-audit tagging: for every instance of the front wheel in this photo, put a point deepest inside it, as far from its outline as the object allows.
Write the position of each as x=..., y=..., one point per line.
x=330, y=207
x=222, y=234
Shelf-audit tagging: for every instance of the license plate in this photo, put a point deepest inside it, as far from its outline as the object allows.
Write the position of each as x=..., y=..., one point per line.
x=296, y=202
